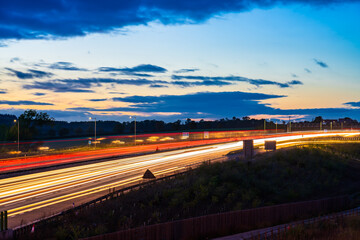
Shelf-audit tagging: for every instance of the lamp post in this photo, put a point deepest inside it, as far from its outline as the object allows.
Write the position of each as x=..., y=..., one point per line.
x=276, y=126
x=134, y=128
x=264, y=125
x=18, y=127
x=95, y=129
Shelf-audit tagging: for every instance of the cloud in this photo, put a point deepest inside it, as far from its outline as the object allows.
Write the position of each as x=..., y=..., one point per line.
x=353, y=104
x=15, y=59
x=140, y=70
x=2, y=91
x=30, y=74
x=320, y=63
x=3, y=102
x=68, y=66
x=295, y=82
x=57, y=86
x=84, y=84
x=227, y=80
x=98, y=100
x=307, y=70
x=24, y=19
x=211, y=104
x=39, y=94
x=218, y=83
x=186, y=70
x=158, y=86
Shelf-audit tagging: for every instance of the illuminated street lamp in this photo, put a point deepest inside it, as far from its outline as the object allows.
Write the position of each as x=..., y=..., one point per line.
x=95, y=129
x=18, y=128
x=134, y=128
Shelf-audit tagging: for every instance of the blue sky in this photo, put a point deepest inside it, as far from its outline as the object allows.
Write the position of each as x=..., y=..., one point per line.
x=173, y=60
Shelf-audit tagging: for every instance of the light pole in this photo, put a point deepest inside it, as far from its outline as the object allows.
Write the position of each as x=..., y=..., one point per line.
x=134, y=128
x=18, y=141
x=289, y=128
x=95, y=129
x=264, y=125
x=276, y=126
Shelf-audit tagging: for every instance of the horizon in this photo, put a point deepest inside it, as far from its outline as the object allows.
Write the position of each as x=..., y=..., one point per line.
x=172, y=61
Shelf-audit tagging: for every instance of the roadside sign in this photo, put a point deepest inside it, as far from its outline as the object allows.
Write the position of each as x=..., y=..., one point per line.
x=206, y=135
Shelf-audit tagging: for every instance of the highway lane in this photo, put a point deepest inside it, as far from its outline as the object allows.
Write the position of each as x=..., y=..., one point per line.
x=25, y=194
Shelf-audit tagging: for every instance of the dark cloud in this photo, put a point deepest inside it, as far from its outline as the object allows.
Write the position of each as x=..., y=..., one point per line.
x=2, y=91
x=321, y=63
x=30, y=74
x=39, y=94
x=98, y=100
x=139, y=71
x=68, y=66
x=39, y=19
x=307, y=70
x=84, y=84
x=353, y=104
x=228, y=80
x=186, y=70
x=2, y=102
x=295, y=82
x=158, y=86
x=218, y=83
x=57, y=86
x=203, y=103
x=214, y=105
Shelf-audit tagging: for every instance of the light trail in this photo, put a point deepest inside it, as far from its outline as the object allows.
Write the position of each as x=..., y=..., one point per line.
x=30, y=192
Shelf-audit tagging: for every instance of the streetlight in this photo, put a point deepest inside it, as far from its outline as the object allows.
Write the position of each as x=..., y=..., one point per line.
x=18, y=141
x=264, y=125
x=134, y=128
x=276, y=126
x=95, y=129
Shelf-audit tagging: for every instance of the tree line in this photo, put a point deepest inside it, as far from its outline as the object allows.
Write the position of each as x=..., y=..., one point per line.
x=39, y=125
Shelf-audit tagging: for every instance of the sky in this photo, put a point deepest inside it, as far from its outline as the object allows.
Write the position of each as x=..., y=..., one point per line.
x=170, y=60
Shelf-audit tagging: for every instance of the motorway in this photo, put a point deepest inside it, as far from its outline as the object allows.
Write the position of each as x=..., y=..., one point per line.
x=30, y=196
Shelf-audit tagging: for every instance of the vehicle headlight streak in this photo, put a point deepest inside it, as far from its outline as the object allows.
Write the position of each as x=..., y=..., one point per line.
x=55, y=186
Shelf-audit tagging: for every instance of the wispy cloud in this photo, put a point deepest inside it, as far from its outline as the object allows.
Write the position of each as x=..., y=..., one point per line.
x=307, y=70
x=98, y=100
x=321, y=63
x=3, y=102
x=142, y=70
x=52, y=19
x=39, y=94
x=86, y=84
x=30, y=74
x=353, y=104
x=186, y=70
x=68, y=66
x=228, y=80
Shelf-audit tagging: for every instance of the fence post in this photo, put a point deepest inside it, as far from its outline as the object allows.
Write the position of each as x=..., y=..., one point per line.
x=5, y=220
x=2, y=221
